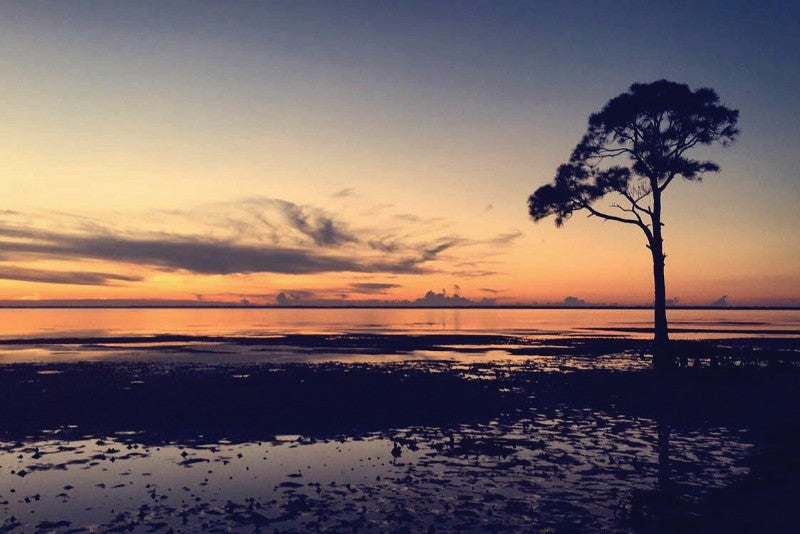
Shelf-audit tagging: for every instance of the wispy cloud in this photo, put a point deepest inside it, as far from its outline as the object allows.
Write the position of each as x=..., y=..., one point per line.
x=251, y=235
x=344, y=193
x=411, y=218
x=204, y=256
x=63, y=277
x=505, y=238
x=322, y=229
x=384, y=244
x=432, y=250
x=473, y=273
x=269, y=219
x=372, y=287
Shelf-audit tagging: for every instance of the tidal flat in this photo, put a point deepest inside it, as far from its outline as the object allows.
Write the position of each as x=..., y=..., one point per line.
x=439, y=434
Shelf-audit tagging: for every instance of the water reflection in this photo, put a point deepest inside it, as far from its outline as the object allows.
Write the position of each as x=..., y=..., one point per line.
x=378, y=431
x=16, y=323
x=576, y=469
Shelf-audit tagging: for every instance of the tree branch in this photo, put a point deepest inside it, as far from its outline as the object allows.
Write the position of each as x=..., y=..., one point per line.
x=631, y=210
x=611, y=152
x=635, y=202
x=609, y=217
x=667, y=181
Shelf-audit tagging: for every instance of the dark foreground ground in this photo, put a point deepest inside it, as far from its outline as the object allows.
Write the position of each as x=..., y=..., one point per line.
x=422, y=445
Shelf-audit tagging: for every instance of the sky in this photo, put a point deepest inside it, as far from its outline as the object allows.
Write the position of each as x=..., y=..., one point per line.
x=372, y=151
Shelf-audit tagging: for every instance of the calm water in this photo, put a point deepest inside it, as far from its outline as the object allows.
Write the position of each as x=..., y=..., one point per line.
x=572, y=471
x=569, y=468
x=25, y=323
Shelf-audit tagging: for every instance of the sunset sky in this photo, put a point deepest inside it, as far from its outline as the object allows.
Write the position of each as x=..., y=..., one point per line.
x=221, y=151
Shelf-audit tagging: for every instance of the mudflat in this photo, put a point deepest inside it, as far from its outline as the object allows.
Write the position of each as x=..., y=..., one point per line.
x=400, y=433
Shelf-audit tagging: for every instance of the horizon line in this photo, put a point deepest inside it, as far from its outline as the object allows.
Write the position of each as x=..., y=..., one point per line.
x=32, y=305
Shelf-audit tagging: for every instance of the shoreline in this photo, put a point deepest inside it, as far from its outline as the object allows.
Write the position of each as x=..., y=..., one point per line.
x=201, y=306
x=376, y=348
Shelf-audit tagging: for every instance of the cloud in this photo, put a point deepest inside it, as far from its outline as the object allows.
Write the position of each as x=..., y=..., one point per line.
x=721, y=302
x=574, y=301
x=332, y=297
x=473, y=273
x=431, y=250
x=293, y=297
x=322, y=229
x=408, y=217
x=207, y=256
x=506, y=238
x=251, y=235
x=266, y=219
x=384, y=245
x=59, y=277
x=442, y=299
x=19, y=232
x=197, y=254
x=372, y=287
x=472, y=269
x=291, y=223
x=414, y=219
x=343, y=193
x=490, y=290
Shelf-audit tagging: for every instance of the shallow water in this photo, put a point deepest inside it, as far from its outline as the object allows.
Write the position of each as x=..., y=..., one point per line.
x=575, y=463
x=49, y=323
x=257, y=335
x=237, y=354
x=564, y=469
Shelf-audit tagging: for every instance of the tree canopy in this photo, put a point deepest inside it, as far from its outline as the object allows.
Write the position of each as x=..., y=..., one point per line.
x=635, y=146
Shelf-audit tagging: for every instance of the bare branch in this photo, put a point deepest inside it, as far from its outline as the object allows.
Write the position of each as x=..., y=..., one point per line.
x=632, y=210
x=612, y=152
x=635, y=202
x=610, y=217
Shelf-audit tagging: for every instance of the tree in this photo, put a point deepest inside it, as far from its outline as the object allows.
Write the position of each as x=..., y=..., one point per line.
x=633, y=149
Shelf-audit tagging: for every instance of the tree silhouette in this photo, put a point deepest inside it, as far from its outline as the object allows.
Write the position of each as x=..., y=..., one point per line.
x=633, y=149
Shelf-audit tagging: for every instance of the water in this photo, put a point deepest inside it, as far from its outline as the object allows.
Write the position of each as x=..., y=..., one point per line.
x=575, y=470
x=35, y=323
x=96, y=334
x=575, y=464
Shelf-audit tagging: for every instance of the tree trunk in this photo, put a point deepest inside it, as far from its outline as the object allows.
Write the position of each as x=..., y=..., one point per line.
x=662, y=357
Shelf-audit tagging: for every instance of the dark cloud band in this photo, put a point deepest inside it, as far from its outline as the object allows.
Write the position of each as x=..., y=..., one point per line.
x=203, y=256
x=57, y=277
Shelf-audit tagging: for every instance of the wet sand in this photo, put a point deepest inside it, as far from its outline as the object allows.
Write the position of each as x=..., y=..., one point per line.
x=441, y=433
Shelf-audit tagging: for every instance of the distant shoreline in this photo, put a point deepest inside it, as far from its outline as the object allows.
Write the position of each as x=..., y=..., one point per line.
x=386, y=307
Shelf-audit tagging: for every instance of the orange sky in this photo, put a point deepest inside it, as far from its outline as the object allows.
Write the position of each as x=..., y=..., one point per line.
x=167, y=155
